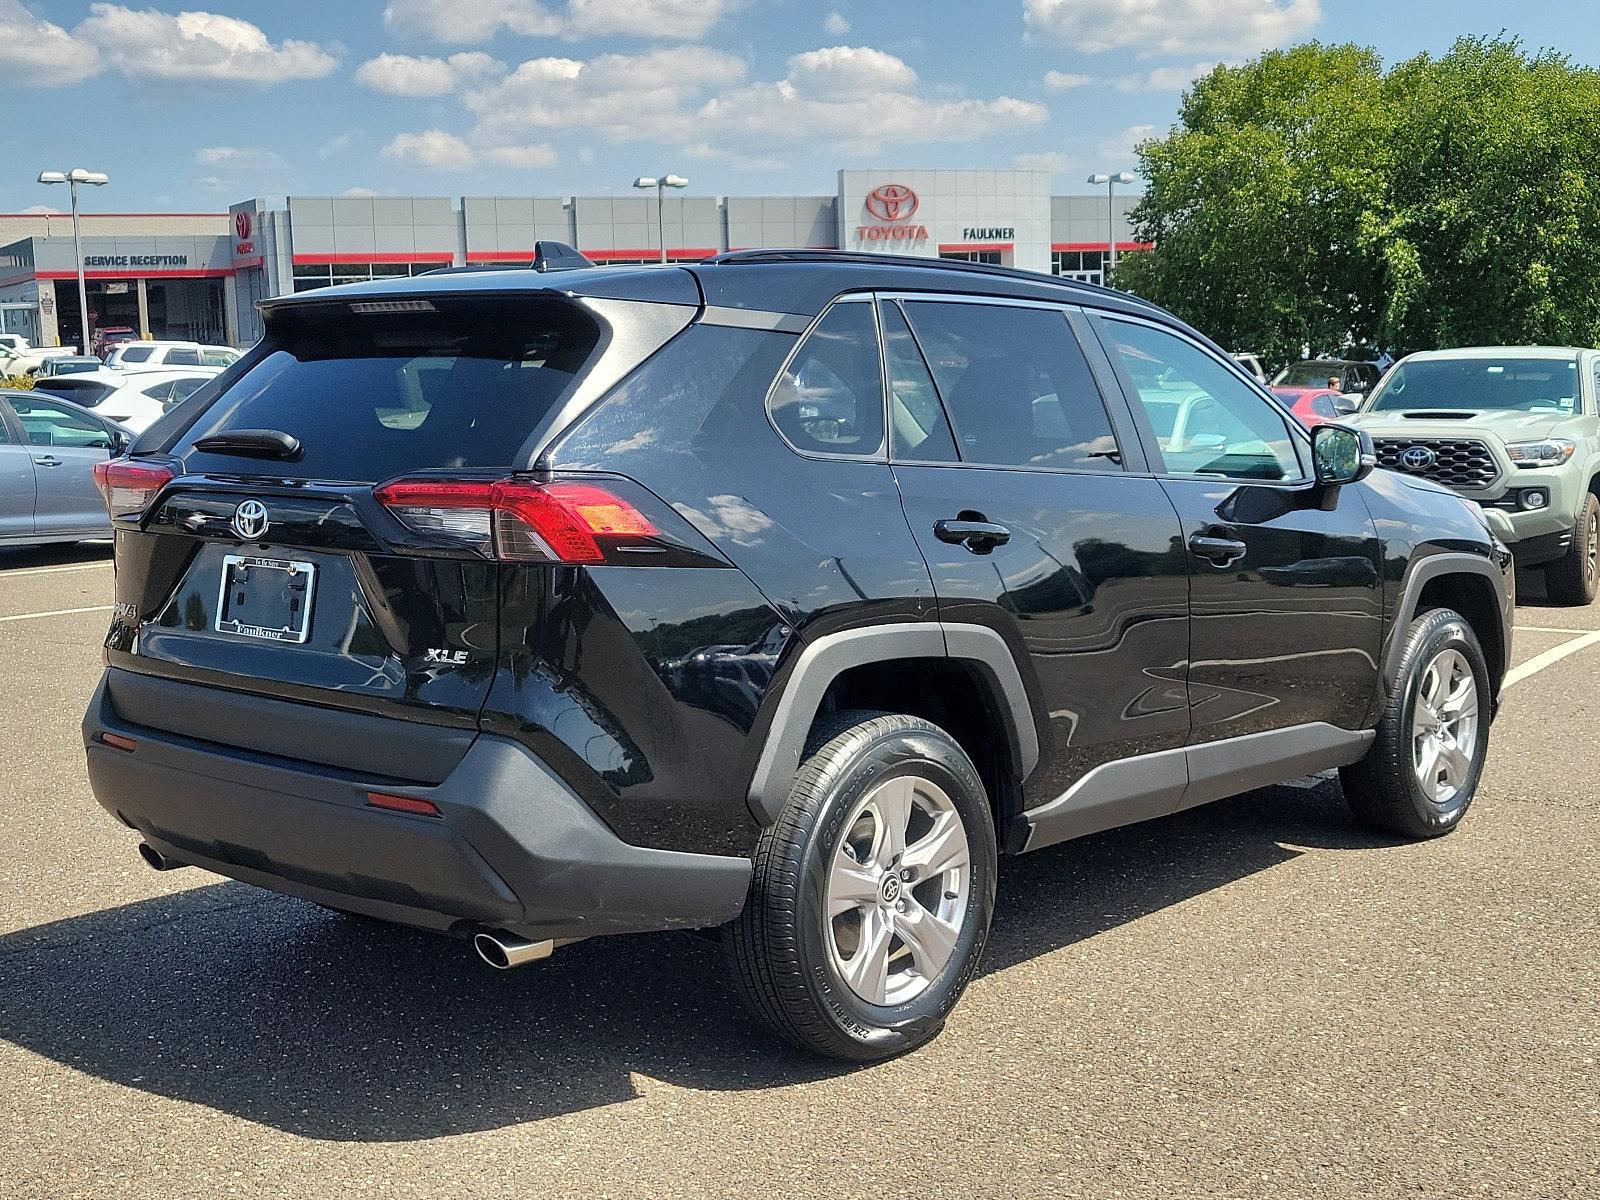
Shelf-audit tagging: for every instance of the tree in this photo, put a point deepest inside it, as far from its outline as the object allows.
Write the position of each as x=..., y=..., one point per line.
x=1309, y=198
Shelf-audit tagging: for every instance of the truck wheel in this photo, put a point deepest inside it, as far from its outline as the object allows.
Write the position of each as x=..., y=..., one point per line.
x=872, y=894
x=1419, y=777
x=1575, y=576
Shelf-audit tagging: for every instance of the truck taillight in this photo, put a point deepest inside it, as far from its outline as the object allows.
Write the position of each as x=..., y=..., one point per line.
x=128, y=487
x=517, y=520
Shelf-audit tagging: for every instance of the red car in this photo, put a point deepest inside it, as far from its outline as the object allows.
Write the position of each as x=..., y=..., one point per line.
x=1315, y=406
x=108, y=336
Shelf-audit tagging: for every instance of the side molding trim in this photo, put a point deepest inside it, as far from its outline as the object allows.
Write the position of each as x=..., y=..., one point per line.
x=1169, y=781
x=821, y=662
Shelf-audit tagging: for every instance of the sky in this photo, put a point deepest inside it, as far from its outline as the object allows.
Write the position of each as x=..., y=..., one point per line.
x=191, y=110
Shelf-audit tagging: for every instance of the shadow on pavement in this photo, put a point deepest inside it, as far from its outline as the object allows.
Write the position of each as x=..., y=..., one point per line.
x=328, y=1027
x=62, y=554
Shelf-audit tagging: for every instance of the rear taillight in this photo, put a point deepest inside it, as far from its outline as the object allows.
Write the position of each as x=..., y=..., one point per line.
x=517, y=520
x=128, y=487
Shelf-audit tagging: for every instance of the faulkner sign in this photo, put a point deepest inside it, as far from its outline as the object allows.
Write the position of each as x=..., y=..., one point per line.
x=136, y=260
x=894, y=204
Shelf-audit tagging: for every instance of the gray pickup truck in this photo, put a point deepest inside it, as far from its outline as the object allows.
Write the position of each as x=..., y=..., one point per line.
x=1514, y=428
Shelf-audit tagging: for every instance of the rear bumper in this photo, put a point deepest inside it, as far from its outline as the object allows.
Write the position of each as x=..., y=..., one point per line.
x=513, y=847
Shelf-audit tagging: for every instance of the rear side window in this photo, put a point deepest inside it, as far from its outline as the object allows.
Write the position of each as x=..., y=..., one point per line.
x=830, y=400
x=181, y=356
x=373, y=396
x=1016, y=386
x=135, y=354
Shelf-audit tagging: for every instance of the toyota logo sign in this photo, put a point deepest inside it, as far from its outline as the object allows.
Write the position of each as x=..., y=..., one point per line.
x=241, y=224
x=1417, y=458
x=891, y=202
x=250, y=520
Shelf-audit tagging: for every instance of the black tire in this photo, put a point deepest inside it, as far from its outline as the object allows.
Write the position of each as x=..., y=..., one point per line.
x=1574, y=578
x=779, y=947
x=1384, y=789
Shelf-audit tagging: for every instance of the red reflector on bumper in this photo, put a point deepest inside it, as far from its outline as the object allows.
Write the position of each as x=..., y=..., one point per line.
x=117, y=742
x=405, y=804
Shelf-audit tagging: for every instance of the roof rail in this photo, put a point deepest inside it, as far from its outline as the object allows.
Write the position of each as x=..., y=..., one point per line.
x=905, y=260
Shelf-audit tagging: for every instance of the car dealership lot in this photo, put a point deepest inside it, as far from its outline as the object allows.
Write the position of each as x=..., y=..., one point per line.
x=1253, y=997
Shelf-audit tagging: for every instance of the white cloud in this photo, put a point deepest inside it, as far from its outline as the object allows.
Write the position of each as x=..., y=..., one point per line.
x=338, y=145
x=1165, y=79
x=432, y=148
x=623, y=97
x=358, y=193
x=154, y=45
x=836, y=24
x=36, y=53
x=1119, y=147
x=239, y=158
x=1049, y=160
x=464, y=22
x=1170, y=26
x=1061, y=81
x=405, y=75
x=524, y=158
x=41, y=210
x=849, y=70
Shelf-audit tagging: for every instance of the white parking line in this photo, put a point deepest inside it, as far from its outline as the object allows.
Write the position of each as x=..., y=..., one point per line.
x=53, y=570
x=1550, y=657
x=56, y=612
x=1549, y=629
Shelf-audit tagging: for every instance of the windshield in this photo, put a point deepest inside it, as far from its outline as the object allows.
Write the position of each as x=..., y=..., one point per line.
x=1470, y=384
x=1307, y=375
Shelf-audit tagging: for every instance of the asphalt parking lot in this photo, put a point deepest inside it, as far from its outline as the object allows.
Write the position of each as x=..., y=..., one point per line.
x=1253, y=998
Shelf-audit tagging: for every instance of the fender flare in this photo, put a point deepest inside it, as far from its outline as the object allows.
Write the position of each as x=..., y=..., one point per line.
x=1433, y=567
x=823, y=660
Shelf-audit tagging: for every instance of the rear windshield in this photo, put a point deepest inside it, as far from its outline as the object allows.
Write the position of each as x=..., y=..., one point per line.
x=372, y=396
x=86, y=392
x=1470, y=384
x=1307, y=374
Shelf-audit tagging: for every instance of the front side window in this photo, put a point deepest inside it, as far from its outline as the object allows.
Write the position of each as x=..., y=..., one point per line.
x=830, y=400
x=917, y=424
x=182, y=356
x=1016, y=385
x=1206, y=420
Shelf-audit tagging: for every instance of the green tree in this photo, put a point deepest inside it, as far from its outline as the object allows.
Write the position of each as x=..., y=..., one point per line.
x=1310, y=198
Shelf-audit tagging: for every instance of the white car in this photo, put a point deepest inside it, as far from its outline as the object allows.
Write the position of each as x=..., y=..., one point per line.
x=140, y=355
x=131, y=398
x=26, y=362
x=14, y=342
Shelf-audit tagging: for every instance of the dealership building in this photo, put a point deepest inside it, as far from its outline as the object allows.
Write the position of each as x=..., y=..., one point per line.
x=198, y=275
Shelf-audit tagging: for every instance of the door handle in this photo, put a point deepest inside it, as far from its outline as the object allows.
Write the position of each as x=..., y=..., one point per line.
x=49, y=460
x=978, y=536
x=1219, y=552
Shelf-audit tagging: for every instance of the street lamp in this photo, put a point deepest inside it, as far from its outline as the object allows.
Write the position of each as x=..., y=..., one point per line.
x=661, y=183
x=1111, y=182
x=74, y=177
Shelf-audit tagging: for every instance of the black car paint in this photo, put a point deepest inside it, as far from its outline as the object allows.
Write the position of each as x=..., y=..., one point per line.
x=649, y=691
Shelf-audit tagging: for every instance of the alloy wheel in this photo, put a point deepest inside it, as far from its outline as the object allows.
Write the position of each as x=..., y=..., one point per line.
x=1444, y=727
x=897, y=891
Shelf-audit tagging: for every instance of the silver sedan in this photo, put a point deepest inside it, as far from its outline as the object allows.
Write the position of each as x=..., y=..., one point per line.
x=48, y=449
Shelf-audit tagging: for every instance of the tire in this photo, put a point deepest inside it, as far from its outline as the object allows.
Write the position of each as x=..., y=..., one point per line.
x=1574, y=578
x=848, y=986
x=1387, y=790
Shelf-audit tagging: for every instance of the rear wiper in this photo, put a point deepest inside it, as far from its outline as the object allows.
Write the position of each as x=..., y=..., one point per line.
x=252, y=443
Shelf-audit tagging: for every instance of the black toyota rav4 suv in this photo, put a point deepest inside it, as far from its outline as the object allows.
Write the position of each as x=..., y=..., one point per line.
x=781, y=594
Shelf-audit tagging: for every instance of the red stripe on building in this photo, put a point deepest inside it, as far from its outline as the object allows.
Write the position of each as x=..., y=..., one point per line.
x=651, y=253
x=421, y=256
x=1122, y=247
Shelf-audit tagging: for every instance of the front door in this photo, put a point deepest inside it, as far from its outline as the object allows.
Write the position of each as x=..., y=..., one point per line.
x=65, y=445
x=1034, y=521
x=16, y=483
x=1286, y=600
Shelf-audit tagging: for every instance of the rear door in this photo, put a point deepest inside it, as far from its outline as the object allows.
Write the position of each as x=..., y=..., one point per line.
x=16, y=479
x=1036, y=518
x=65, y=445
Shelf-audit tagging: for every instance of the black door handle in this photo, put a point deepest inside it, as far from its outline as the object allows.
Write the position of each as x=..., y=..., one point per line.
x=1219, y=552
x=978, y=536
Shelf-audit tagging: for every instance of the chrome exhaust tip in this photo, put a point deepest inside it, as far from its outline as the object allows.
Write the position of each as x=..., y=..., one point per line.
x=156, y=860
x=502, y=950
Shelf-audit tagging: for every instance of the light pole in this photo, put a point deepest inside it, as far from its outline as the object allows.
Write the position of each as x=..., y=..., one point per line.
x=661, y=183
x=1111, y=182
x=74, y=177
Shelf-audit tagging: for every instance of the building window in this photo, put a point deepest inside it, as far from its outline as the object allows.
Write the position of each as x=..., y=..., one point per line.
x=990, y=257
x=310, y=276
x=1086, y=266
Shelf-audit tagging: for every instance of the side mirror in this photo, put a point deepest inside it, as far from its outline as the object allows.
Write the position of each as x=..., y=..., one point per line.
x=1348, y=403
x=120, y=442
x=1341, y=454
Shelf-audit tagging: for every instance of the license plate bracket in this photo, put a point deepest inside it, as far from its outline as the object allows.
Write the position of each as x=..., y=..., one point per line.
x=266, y=598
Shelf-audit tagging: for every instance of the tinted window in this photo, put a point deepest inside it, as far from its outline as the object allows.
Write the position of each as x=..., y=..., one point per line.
x=830, y=400
x=182, y=357
x=1466, y=384
x=47, y=424
x=181, y=388
x=1016, y=385
x=86, y=392
x=372, y=396
x=1309, y=374
x=134, y=354
x=1206, y=420
x=917, y=423
x=158, y=391
x=1323, y=406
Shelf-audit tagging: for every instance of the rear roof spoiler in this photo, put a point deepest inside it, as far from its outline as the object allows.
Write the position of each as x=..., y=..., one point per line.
x=547, y=256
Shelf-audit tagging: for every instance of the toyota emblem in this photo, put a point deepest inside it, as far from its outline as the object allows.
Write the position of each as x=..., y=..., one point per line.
x=241, y=224
x=1417, y=458
x=891, y=202
x=250, y=520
